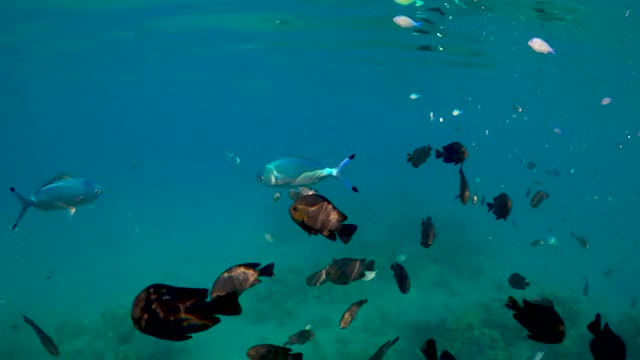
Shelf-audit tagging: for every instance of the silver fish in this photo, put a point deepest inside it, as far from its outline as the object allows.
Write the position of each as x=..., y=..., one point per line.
x=293, y=172
x=63, y=192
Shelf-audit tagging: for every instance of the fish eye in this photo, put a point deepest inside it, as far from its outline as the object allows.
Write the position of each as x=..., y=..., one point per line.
x=295, y=208
x=260, y=178
x=97, y=191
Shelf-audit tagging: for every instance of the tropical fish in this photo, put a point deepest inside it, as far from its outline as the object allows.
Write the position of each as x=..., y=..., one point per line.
x=292, y=172
x=501, y=206
x=430, y=351
x=272, y=352
x=317, y=278
x=60, y=193
x=350, y=314
x=605, y=345
x=540, y=318
x=301, y=337
x=454, y=153
x=174, y=313
x=347, y=270
x=405, y=22
x=379, y=355
x=428, y=232
x=315, y=214
x=518, y=281
x=540, y=46
x=402, y=277
x=419, y=156
x=538, y=198
x=240, y=278
x=464, y=188
x=45, y=339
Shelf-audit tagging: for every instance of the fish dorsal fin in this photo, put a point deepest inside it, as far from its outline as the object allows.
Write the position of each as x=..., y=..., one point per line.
x=60, y=176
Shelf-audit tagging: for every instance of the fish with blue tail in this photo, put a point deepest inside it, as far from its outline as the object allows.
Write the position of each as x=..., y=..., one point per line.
x=294, y=172
x=62, y=192
x=45, y=339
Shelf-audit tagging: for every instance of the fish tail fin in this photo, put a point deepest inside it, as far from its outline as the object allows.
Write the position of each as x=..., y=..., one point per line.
x=26, y=204
x=512, y=304
x=337, y=172
x=439, y=154
x=295, y=356
x=266, y=270
x=346, y=232
x=226, y=304
x=595, y=327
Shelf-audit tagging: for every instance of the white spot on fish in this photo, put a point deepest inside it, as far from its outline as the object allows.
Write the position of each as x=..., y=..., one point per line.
x=456, y=112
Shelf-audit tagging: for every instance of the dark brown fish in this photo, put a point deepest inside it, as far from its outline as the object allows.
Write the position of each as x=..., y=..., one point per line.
x=272, y=352
x=606, y=344
x=538, y=198
x=541, y=320
x=45, y=339
x=428, y=233
x=347, y=270
x=518, y=281
x=173, y=313
x=315, y=214
x=240, y=278
x=583, y=242
x=350, y=314
x=531, y=165
x=300, y=338
x=379, y=355
x=430, y=351
x=537, y=242
x=454, y=153
x=464, y=188
x=317, y=278
x=501, y=206
x=402, y=277
x=419, y=155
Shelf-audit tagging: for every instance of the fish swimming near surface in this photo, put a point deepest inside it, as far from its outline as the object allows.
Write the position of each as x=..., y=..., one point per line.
x=315, y=214
x=62, y=192
x=350, y=314
x=540, y=318
x=301, y=337
x=379, y=355
x=501, y=206
x=45, y=339
x=454, y=153
x=419, y=156
x=605, y=345
x=402, y=277
x=464, y=193
x=538, y=198
x=430, y=351
x=174, y=313
x=347, y=270
x=518, y=281
x=428, y=232
x=240, y=278
x=272, y=352
x=292, y=172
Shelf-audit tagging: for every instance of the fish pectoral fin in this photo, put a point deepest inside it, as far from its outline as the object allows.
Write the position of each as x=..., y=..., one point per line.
x=72, y=211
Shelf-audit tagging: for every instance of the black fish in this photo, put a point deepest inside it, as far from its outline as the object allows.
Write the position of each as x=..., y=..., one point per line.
x=518, y=281
x=426, y=48
x=384, y=348
x=430, y=351
x=501, y=206
x=240, y=278
x=436, y=10
x=605, y=345
x=272, y=352
x=464, y=192
x=402, y=277
x=538, y=198
x=350, y=314
x=419, y=155
x=347, y=270
x=173, y=313
x=428, y=233
x=541, y=320
x=454, y=153
x=315, y=214
x=300, y=338
x=45, y=339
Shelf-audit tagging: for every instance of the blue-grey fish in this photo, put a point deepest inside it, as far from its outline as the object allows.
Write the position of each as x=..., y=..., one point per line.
x=45, y=339
x=292, y=172
x=63, y=192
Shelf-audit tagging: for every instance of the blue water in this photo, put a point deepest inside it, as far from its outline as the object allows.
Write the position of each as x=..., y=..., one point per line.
x=141, y=97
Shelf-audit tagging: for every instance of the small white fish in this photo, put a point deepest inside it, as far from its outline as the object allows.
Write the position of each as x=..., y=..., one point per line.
x=456, y=112
x=293, y=172
x=405, y=22
x=606, y=101
x=368, y=275
x=414, y=96
x=231, y=157
x=268, y=237
x=540, y=46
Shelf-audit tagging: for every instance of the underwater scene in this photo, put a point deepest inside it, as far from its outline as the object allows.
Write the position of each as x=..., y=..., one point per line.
x=319, y=179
